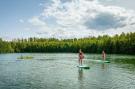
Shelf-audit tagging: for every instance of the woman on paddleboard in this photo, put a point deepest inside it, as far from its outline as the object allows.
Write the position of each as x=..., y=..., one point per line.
x=103, y=55
x=81, y=56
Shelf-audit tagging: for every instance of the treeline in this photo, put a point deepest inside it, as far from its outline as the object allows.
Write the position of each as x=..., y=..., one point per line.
x=5, y=47
x=118, y=44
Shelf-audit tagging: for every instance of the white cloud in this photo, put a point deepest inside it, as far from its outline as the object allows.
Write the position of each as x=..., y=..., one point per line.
x=21, y=20
x=36, y=21
x=80, y=18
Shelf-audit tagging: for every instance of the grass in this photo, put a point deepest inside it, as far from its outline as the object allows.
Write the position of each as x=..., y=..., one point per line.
x=25, y=57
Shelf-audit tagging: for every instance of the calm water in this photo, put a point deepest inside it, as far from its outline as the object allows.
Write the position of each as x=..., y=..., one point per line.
x=59, y=71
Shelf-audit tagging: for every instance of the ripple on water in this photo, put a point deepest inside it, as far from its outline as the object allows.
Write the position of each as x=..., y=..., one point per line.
x=59, y=71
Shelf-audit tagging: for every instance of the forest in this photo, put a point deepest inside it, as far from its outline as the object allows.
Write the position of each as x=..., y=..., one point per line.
x=118, y=44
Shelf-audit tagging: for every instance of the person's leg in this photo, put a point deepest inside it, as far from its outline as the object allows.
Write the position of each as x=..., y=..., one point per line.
x=81, y=61
x=104, y=58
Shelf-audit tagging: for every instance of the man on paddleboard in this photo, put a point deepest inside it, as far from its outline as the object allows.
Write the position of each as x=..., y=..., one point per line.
x=81, y=56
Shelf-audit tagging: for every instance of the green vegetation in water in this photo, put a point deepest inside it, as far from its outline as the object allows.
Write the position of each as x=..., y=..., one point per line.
x=125, y=61
x=25, y=57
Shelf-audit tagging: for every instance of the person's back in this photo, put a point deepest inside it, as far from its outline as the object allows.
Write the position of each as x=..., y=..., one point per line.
x=103, y=55
x=81, y=56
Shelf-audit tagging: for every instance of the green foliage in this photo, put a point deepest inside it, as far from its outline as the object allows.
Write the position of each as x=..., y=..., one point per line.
x=118, y=44
x=25, y=57
x=5, y=47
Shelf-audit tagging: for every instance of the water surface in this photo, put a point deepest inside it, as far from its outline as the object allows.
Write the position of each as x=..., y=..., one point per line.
x=59, y=71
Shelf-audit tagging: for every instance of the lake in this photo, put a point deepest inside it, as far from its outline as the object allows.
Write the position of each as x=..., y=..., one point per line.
x=60, y=71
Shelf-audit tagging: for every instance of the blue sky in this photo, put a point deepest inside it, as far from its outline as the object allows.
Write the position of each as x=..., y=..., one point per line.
x=14, y=11
x=65, y=18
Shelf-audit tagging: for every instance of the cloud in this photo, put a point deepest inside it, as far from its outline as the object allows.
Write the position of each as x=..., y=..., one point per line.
x=80, y=18
x=104, y=21
x=65, y=1
x=21, y=20
x=37, y=22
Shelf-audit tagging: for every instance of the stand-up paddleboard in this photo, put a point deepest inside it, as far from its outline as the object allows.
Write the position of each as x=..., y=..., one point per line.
x=100, y=61
x=83, y=66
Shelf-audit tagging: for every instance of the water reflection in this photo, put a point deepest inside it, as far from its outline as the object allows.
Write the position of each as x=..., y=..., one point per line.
x=80, y=78
x=80, y=74
x=103, y=66
x=125, y=63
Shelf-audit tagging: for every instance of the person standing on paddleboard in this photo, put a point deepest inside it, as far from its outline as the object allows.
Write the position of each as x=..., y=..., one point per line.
x=81, y=56
x=103, y=55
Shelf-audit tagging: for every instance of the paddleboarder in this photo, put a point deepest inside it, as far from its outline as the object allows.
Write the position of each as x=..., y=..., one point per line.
x=103, y=55
x=81, y=57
